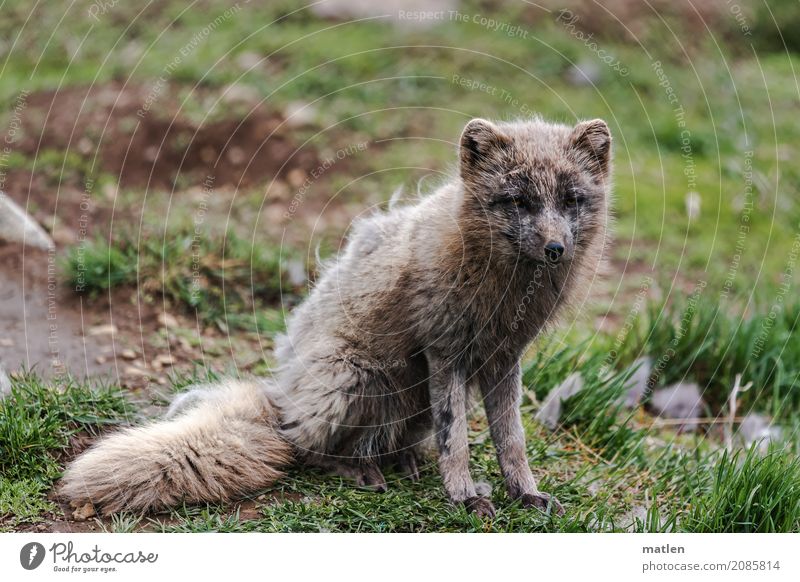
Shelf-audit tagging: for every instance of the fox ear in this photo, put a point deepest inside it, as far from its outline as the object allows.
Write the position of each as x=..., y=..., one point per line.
x=481, y=149
x=591, y=141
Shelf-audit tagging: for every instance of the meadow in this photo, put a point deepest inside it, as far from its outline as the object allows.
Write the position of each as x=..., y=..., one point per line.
x=193, y=160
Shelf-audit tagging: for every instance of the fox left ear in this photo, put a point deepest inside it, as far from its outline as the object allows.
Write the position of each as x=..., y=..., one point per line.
x=591, y=140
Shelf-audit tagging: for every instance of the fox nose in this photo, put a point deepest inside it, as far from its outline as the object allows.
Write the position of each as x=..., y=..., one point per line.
x=553, y=251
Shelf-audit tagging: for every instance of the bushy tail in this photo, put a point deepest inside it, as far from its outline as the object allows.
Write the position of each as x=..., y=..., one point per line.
x=223, y=445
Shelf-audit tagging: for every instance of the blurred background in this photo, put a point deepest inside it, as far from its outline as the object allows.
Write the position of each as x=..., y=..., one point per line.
x=173, y=170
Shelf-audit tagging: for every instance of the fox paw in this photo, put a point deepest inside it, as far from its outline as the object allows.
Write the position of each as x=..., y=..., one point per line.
x=407, y=465
x=370, y=477
x=542, y=501
x=480, y=506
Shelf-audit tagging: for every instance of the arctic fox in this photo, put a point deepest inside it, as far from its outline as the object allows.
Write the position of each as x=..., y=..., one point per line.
x=428, y=303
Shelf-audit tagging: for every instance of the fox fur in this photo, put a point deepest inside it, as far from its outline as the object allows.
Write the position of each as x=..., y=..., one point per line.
x=428, y=303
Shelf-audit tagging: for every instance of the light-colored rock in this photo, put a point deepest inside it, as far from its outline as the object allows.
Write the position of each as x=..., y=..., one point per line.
x=105, y=329
x=18, y=226
x=300, y=114
x=682, y=401
x=692, y=202
x=5, y=383
x=249, y=60
x=550, y=412
x=167, y=320
x=636, y=386
x=584, y=74
x=164, y=360
x=296, y=272
x=135, y=371
x=402, y=13
x=758, y=428
x=84, y=512
x=128, y=354
x=240, y=93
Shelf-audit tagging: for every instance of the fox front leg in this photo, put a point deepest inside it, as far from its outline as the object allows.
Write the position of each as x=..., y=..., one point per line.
x=502, y=401
x=448, y=406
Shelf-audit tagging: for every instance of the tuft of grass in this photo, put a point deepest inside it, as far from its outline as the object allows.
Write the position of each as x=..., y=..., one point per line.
x=703, y=341
x=750, y=493
x=225, y=280
x=36, y=421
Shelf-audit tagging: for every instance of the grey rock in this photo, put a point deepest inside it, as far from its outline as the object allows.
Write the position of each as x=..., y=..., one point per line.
x=636, y=385
x=550, y=412
x=584, y=74
x=296, y=272
x=5, y=383
x=680, y=401
x=18, y=226
x=402, y=13
x=758, y=428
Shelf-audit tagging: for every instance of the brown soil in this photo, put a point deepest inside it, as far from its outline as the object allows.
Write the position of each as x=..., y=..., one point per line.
x=150, y=148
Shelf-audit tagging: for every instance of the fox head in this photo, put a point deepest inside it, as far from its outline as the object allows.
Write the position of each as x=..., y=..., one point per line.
x=539, y=190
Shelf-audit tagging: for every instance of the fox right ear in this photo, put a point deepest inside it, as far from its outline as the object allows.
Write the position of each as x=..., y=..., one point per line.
x=482, y=148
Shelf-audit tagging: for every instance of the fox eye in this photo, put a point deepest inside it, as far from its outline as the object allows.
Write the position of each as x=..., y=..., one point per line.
x=573, y=199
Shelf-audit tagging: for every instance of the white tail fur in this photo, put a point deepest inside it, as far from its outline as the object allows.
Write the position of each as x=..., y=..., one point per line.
x=223, y=445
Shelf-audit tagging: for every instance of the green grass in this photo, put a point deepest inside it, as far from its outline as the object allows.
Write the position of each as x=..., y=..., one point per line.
x=36, y=422
x=706, y=342
x=609, y=467
x=750, y=493
x=373, y=82
x=225, y=280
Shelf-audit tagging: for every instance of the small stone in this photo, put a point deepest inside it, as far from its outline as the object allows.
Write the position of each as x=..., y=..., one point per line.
x=84, y=512
x=584, y=74
x=299, y=114
x=164, y=360
x=167, y=320
x=249, y=60
x=100, y=359
x=110, y=191
x=6, y=342
x=296, y=272
x=550, y=412
x=106, y=329
x=758, y=428
x=151, y=153
x=236, y=155
x=135, y=371
x=692, y=206
x=637, y=383
x=682, y=401
x=64, y=236
x=239, y=93
x=18, y=226
x=296, y=177
x=5, y=383
x=128, y=354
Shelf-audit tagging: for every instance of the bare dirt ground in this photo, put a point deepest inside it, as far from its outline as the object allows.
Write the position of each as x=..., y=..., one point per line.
x=123, y=336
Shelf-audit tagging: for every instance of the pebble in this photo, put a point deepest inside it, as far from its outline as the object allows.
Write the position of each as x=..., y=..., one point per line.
x=106, y=329
x=84, y=512
x=550, y=412
x=682, y=401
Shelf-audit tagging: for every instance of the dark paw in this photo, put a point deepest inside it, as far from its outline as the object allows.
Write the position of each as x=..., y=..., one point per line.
x=480, y=506
x=370, y=476
x=543, y=502
x=407, y=465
